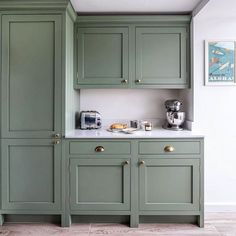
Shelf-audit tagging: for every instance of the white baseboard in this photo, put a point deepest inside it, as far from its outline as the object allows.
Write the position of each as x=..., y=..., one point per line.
x=220, y=207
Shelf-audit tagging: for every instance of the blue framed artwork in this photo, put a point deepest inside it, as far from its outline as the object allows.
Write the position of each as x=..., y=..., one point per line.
x=220, y=62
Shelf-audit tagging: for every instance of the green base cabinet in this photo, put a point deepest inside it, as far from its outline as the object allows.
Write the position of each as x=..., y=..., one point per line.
x=135, y=177
x=168, y=184
x=30, y=176
x=99, y=185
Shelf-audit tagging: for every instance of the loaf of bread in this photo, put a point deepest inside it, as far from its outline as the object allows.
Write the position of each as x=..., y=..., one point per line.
x=118, y=126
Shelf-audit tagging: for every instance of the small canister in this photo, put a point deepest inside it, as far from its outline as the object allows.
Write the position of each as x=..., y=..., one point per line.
x=142, y=124
x=148, y=126
x=134, y=124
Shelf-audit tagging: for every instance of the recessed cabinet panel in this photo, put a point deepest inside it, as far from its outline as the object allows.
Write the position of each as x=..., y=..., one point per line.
x=31, y=76
x=102, y=184
x=103, y=56
x=169, y=184
x=22, y=161
x=30, y=175
x=160, y=56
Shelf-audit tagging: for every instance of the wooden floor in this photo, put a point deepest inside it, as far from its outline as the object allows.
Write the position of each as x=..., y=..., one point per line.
x=215, y=224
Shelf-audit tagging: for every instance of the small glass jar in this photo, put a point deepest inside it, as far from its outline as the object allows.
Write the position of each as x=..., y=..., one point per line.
x=142, y=124
x=148, y=126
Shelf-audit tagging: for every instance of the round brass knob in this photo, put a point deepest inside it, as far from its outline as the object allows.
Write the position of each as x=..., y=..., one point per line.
x=57, y=135
x=56, y=142
x=126, y=162
x=138, y=81
x=142, y=162
x=99, y=149
x=169, y=149
x=124, y=81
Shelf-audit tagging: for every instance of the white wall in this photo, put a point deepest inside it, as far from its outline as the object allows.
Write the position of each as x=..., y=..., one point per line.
x=215, y=108
x=127, y=104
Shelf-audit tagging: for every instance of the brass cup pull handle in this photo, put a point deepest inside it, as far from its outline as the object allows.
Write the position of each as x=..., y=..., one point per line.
x=124, y=81
x=126, y=162
x=138, y=81
x=99, y=149
x=169, y=149
x=56, y=142
x=57, y=135
x=142, y=162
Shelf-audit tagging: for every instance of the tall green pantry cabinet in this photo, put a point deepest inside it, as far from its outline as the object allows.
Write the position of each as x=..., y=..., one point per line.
x=33, y=43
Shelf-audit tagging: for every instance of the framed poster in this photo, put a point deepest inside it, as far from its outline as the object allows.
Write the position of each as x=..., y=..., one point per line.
x=220, y=62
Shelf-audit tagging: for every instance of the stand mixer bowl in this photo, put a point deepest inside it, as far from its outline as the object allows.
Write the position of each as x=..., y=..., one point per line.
x=175, y=119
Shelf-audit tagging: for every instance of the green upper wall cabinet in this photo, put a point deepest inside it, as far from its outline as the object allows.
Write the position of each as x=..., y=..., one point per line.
x=160, y=56
x=103, y=56
x=31, y=75
x=132, y=52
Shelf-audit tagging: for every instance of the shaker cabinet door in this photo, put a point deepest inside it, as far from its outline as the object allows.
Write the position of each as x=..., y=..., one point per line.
x=102, y=57
x=161, y=57
x=169, y=184
x=99, y=184
x=30, y=175
x=31, y=76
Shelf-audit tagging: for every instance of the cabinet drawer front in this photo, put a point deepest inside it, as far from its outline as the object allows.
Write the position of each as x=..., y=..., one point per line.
x=99, y=148
x=169, y=148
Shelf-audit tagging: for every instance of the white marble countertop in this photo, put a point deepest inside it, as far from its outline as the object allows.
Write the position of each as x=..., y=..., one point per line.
x=155, y=133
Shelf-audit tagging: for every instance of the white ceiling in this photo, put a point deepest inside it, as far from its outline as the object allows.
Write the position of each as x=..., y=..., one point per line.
x=133, y=6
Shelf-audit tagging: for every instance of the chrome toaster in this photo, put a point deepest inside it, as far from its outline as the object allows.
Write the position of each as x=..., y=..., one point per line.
x=90, y=120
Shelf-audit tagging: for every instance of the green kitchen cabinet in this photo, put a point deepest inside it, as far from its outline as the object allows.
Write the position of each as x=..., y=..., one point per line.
x=31, y=88
x=132, y=52
x=103, y=56
x=169, y=184
x=161, y=56
x=99, y=184
x=30, y=176
x=135, y=177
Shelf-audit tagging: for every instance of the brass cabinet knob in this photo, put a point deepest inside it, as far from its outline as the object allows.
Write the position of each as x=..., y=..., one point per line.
x=57, y=135
x=124, y=81
x=99, y=149
x=138, y=81
x=126, y=162
x=142, y=162
x=169, y=149
x=56, y=142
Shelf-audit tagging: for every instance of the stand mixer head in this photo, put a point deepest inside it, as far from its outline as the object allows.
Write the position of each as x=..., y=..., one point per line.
x=173, y=105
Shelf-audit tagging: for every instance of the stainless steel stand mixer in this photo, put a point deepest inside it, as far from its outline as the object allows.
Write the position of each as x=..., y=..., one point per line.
x=174, y=117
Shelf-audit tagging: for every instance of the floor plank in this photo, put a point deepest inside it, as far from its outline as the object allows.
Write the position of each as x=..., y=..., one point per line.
x=216, y=224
